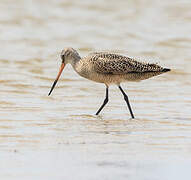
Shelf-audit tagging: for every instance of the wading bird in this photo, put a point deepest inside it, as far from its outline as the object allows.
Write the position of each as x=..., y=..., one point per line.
x=109, y=69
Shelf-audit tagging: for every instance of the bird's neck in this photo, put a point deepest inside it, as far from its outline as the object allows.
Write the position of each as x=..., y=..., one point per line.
x=75, y=61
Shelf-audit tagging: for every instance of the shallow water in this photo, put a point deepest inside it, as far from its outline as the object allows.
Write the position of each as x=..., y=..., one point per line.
x=59, y=137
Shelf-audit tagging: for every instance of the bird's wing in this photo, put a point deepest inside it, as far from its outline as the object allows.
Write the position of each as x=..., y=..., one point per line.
x=117, y=64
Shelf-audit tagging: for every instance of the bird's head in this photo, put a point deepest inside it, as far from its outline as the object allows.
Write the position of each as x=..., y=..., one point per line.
x=68, y=55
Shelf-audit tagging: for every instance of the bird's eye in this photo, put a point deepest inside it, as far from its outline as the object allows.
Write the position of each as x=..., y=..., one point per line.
x=62, y=57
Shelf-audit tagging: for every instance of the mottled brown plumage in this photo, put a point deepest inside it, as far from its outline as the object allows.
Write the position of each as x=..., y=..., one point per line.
x=113, y=68
x=118, y=64
x=109, y=68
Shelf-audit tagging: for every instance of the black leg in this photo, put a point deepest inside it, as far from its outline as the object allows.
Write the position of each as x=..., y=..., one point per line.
x=127, y=101
x=104, y=102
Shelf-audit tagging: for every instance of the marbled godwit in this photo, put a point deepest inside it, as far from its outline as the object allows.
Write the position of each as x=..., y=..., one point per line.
x=109, y=69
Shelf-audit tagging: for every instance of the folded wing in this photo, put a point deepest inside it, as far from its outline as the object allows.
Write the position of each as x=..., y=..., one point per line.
x=117, y=64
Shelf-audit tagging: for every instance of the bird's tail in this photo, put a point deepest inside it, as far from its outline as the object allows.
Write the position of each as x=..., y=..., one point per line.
x=166, y=70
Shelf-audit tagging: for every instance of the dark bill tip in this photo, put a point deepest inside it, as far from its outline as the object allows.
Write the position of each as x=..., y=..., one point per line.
x=54, y=84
